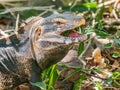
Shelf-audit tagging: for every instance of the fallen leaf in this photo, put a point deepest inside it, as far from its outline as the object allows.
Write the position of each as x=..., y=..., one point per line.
x=115, y=65
x=97, y=56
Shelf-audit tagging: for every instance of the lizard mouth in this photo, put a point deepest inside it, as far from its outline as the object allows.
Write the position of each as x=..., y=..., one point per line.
x=72, y=35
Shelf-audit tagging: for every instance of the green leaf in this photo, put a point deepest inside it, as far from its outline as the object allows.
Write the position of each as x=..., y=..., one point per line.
x=78, y=83
x=98, y=86
x=61, y=64
x=116, y=54
x=100, y=12
x=45, y=74
x=118, y=33
x=100, y=70
x=108, y=45
x=89, y=30
x=82, y=7
x=54, y=73
x=29, y=13
x=101, y=34
x=41, y=85
x=80, y=48
x=66, y=33
x=117, y=41
x=50, y=76
x=90, y=5
x=73, y=73
x=116, y=78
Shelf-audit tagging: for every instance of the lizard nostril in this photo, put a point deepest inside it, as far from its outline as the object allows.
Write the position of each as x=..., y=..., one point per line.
x=82, y=22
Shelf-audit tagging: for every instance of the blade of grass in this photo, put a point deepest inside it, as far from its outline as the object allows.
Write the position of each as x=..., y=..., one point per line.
x=78, y=83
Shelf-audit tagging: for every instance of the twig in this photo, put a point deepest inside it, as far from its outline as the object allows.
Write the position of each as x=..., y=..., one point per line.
x=16, y=26
x=93, y=21
x=49, y=8
x=10, y=11
x=12, y=0
x=115, y=5
x=93, y=75
x=8, y=31
x=82, y=70
x=43, y=13
x=110, y=2
x=106, y=3
x=4, y=34
x=89, y=42
x=114, y=13
x=110, y=88
x=109, y=26
x=112, y=22
x=9, y=4
x=80, y=57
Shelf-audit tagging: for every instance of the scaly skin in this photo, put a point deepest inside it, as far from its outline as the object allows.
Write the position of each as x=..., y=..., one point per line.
x=40, y=46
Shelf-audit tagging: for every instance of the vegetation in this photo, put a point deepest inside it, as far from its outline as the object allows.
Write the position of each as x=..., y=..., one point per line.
x=99, y=54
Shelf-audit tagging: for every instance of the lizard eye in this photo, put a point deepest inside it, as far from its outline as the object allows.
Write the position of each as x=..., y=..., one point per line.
x=59, y=21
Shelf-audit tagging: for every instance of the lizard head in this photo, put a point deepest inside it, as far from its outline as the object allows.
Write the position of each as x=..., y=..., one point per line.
x=50, y=43
x=61, y=28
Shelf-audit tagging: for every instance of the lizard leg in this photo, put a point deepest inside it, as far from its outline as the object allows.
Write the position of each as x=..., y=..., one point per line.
x=35, y=75
x=35, y=78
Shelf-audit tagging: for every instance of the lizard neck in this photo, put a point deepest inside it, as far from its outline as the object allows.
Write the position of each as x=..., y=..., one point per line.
x=24, y=47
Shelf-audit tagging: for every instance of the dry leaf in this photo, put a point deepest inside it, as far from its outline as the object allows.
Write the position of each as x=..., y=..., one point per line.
x=97, y=56
x=23, y=87
x=115, y=65
x=104, y=74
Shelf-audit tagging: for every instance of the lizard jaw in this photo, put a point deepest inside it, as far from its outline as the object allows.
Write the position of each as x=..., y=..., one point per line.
x=71, y=36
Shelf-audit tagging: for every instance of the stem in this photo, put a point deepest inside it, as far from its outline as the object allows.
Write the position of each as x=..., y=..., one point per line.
x=49, y=8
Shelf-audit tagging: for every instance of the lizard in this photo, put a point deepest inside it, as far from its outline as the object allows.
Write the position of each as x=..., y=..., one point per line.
x=42, y=45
